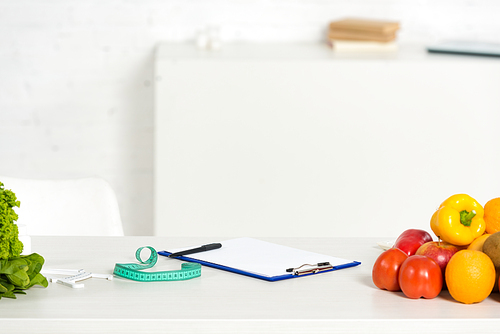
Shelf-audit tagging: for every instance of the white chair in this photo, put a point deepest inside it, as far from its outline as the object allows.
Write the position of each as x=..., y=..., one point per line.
x=84, y=207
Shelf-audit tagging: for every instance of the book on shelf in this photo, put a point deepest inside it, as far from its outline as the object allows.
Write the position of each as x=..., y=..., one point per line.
x=360, y=36
x=471, y=48
x=363, y=35
x=365, y=25
x=362, y=46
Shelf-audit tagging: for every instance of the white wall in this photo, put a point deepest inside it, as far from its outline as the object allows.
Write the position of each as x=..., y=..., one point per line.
x=76, y=77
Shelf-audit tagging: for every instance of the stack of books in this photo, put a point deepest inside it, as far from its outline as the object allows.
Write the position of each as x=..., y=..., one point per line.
x=363, y=35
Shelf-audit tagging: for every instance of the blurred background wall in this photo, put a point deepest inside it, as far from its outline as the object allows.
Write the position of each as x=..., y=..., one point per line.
x=76, y=77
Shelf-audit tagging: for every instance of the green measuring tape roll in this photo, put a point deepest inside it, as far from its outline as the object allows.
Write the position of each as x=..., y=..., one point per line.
x=133, y=270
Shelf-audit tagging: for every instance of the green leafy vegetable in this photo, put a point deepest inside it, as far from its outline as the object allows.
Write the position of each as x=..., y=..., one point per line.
x=17, y=272
x=21, y=273
x=10, y=246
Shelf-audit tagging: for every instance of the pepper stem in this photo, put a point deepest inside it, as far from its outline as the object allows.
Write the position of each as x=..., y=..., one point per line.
x=466, y=217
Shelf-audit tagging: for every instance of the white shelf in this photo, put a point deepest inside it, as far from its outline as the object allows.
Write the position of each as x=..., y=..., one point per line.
x=301, y=51
x=295, y=140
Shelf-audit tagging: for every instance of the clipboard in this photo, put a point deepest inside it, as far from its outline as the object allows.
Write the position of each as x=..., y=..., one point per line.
x=264, y=260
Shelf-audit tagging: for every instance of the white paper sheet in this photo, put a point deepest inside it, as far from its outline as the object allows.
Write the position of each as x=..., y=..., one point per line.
x=260, y=257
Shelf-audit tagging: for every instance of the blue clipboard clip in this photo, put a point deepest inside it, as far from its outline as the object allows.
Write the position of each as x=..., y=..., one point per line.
x=310, y=268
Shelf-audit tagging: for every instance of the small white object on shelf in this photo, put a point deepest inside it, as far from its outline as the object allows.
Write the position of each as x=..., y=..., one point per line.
x=209, y=38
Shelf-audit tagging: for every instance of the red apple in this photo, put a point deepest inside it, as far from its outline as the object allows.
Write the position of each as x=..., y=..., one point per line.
x=440, y=251
x=410, y=240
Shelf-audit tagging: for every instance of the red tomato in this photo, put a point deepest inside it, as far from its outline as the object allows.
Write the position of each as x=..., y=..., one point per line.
x=386, y=269
x=420, y=276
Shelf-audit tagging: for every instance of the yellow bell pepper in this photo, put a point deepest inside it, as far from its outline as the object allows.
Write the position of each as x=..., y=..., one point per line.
x=459, y=220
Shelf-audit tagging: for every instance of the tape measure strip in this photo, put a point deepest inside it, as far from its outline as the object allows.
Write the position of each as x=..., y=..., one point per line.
x=133, y=270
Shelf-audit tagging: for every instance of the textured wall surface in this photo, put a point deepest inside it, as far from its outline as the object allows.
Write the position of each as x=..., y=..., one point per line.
x=76, y=77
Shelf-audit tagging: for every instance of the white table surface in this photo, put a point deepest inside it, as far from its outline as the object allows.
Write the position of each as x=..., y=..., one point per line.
x=222, y=302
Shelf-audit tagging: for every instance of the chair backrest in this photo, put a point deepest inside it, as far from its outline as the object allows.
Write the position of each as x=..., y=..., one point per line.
x=85, y=206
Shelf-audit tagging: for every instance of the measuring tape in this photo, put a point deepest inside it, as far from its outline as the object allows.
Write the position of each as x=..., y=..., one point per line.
x=133, y=270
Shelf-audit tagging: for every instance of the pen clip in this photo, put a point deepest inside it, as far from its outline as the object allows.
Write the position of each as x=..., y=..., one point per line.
x=313, y=268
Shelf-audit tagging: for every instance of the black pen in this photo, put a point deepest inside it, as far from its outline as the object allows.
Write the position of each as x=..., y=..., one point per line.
x=203, y=248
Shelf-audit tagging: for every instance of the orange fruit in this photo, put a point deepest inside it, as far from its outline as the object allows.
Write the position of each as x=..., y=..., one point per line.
x=492, y=215
x=470, y=276
x=478, y=243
